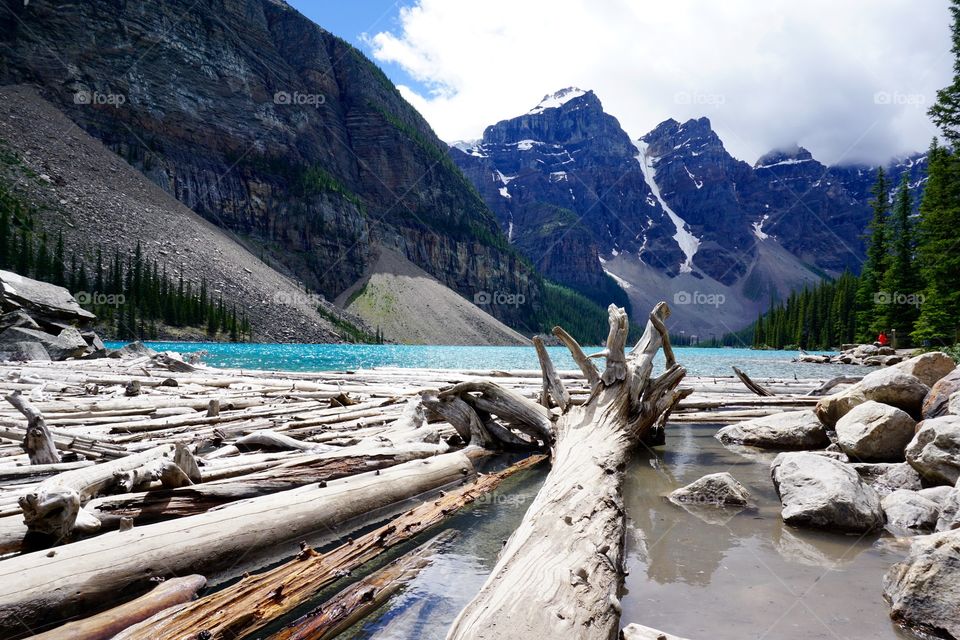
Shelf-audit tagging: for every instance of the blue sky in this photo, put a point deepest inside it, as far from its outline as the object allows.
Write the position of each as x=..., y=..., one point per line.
x=350, y=19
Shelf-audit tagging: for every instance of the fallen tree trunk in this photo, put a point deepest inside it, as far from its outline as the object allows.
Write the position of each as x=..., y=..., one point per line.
x=104, y=626
x=94, y=573
x=251, y=603
x=355, y=602
x=54, y=506
x=560, y=572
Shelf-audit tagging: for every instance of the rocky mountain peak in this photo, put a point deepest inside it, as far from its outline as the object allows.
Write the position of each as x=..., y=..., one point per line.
x=563, y=97
x=794, y=154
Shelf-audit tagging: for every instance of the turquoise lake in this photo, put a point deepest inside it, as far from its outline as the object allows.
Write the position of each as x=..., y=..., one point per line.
x=340, y=357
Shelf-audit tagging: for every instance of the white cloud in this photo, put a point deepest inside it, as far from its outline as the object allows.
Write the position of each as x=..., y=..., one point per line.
x=849, y=79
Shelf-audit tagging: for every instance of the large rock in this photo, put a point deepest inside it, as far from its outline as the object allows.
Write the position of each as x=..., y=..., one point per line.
x=788, y=430
x=909, y=511
x=949, y=516
x=936, y=402
x=42, y=298
x=820, y=492
x=720, y=489
x=17, y=318
x=929, y=367
x=891, y=386
x=924, y=590
x=69, y=344
x=885, y=477
x=875, y=432
x=27, y=351
x=935, y=450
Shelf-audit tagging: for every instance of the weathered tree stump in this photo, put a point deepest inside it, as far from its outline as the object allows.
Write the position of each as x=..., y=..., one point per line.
x=559, y=574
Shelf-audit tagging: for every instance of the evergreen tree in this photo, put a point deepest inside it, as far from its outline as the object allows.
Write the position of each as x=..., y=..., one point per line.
x=5, y=239
x=875, y=265
x=937, y=252
x=901, y=280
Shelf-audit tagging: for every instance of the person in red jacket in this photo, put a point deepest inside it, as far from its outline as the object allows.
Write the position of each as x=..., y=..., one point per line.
x=883, y=339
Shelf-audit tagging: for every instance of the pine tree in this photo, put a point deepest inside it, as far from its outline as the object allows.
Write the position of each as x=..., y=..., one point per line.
x=901, y=280
x=57, y=264
x=937, y=250
x=5, y=239
x=873, y=268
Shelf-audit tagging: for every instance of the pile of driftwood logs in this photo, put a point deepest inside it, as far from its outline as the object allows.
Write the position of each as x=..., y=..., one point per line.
x=126, y=485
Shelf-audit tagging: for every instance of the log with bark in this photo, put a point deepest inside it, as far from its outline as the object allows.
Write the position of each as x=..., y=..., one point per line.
x=91, y=574
x=243, y=608
x=358, y=600
x=560, y=573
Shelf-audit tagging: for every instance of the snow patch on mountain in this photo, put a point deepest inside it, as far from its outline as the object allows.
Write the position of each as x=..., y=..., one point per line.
x=558, y=99
x=620, y=281
x=688, y=242
x=758, y=229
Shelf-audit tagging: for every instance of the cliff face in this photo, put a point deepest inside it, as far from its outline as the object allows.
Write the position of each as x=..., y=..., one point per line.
x=271, y=127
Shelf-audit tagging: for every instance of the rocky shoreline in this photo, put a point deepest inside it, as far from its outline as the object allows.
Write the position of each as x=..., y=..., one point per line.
x=881, y=453
x=868, y=355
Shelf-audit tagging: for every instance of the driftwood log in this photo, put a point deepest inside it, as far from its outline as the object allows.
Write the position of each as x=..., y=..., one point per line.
x=560, y=572
x=242, y=608
x=751, y=385
x=38, y=441
x=352, y=604
x=107, y=624
x=95, y=573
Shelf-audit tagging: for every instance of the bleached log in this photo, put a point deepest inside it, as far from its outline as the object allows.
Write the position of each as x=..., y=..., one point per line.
x=751, y=385
x=246, y=606
x=568, y=550
x=552, y=387
x=352, y=604
x=833, y=382
x=586, y=365
x=38, y=441
x=105, y=625
x=461, y=416
x=518, y=412
x=54, y=505
x=92, y=574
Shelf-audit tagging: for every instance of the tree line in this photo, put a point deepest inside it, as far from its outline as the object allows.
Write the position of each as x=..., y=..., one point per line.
x=909, y=286
x=132, y=296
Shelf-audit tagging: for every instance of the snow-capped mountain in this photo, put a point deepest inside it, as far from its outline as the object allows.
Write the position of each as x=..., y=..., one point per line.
x=670, y=213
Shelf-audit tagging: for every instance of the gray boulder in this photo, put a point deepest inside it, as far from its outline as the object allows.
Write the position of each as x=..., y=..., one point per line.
x=875, y=432
x=27, y=351
x=924, y=590
x=895, y=387
x=936, y=402
x=937, y=494
x=886, y=477
x=640, y=632
x=720, y=489
x=42, y=299
x=17, y=318
x=935, y=450
x=949, y=517
x=817, y=491
x=909, y=511
x=929, y=367
x=132, y=350
x=69, y=344
x=788, y=430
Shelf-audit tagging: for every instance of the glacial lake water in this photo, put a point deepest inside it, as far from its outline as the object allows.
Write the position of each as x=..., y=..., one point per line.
x=340, y=357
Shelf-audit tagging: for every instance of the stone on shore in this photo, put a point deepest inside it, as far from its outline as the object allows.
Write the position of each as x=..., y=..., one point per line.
x=875, y=432
x=930, y=367
x=892, y=386
x=787, y=430
x=68, y=344
x=817, y=491
x=924, y=590
x=937, y=401
x=909, y=511
x=949, y=517
x=43, y=301
x=886, y=477
x=935, y=450
x=720, y=489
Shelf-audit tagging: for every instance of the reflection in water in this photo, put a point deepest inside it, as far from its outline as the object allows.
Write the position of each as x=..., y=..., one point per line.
x=695, y=572
x=721, y=574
